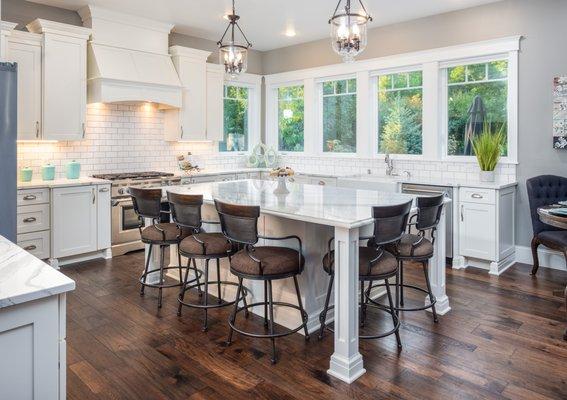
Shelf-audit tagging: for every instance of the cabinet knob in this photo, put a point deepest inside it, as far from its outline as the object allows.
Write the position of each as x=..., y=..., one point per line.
x=477, y=196
x=30, y=219
x=30, y=197
x=30, y=247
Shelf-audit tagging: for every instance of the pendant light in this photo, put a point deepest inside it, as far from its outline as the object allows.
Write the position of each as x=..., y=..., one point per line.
x=232, y=55
x=349, y=30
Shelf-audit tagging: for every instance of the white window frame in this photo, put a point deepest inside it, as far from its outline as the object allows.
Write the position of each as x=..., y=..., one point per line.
x=319, y=117
x=272, y=117
x=253, y=83
x=512, y=106
x=375, y=112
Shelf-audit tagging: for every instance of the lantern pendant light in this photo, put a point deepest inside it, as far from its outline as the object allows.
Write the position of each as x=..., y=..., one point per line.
x=232, y=55
x=349, y=30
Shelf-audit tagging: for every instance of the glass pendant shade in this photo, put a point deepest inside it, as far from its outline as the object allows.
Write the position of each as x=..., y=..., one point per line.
x=234, y=58
x=349, y=35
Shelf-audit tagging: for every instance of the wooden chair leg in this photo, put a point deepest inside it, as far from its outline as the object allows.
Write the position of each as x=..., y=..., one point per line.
x=535, y=245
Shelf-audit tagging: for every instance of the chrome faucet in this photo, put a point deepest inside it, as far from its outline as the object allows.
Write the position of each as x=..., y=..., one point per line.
x=389, y=164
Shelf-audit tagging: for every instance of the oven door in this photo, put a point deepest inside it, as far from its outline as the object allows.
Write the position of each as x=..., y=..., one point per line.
x=124, y=222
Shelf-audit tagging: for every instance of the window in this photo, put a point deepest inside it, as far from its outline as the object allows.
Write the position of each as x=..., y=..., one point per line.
x=476, y=87
x=339, y=116
x=290, y=118
x=400, y=103
x=236, y=106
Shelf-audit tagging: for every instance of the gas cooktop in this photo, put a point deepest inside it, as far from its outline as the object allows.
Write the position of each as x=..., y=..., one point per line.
x=132, y=175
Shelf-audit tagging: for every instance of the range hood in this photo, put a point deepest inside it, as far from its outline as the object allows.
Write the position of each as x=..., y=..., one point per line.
x=128, y=60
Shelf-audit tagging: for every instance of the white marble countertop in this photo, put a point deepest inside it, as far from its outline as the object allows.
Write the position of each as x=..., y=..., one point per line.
x=431, y=181
x=325, y=205
x=24, y=277
x=82, y=181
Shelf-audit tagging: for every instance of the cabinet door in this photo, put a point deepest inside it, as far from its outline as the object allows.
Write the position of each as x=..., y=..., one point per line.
x=215, y=106
x=64, y=88
x=74, y=221
x=28, y=57
x=103, y=217
x=477, y=230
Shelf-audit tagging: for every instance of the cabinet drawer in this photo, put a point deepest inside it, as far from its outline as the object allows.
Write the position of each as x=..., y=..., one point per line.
x=33, y=196
x=474, y=195
x=36, y=243
x=33, y=218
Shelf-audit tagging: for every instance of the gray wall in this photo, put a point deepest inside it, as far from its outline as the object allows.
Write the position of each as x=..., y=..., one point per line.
x=543, y=56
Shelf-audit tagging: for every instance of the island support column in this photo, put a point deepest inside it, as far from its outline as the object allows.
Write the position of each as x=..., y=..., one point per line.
x=437, y=266
x=346, y=362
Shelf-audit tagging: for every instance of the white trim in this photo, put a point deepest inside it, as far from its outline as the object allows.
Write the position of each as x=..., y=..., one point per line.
x=547, y=258
x=272, y=117
x=44, y=26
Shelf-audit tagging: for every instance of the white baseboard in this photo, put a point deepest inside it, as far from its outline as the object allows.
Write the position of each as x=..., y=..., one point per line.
x=547, y=258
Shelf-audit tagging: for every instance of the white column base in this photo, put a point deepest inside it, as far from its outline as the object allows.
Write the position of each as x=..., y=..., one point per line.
x=347, y=370
x=441, y=306
x=497, y=268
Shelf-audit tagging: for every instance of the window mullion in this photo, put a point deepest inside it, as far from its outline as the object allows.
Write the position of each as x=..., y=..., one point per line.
x=430, y=129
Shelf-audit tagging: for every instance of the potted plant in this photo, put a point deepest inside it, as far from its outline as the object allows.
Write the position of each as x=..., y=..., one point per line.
x=487, y=148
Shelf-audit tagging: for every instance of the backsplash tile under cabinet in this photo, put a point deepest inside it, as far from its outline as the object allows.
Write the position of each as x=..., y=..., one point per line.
x=122, y=137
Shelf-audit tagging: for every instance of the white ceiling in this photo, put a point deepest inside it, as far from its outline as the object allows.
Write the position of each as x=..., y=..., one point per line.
x=265, y=22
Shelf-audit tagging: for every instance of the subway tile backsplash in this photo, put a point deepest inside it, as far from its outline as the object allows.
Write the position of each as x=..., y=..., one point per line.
x=122, y=137
x=129, y=137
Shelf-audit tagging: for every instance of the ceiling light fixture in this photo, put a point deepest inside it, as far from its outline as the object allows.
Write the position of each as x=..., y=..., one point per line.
x=349, y=30
x=232, y=55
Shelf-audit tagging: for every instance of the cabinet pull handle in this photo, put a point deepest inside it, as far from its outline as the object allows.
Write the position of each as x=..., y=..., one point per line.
x=37, y=129
x=103, y=190
x=182, y=132
x=462, y=213
x=30, y=219
x=322, y=183
x=30, y=247
x=477, y=196
x=291, y=180
x=84, y=130
x=94, y=196
x=30, y=197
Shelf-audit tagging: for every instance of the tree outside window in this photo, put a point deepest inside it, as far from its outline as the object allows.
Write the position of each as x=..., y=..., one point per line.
x=489, y=81
x=235, y=102
x=290, y=118
x=400, y=107
x=339, y=116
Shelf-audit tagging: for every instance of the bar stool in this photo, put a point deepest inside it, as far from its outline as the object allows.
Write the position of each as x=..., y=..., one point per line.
x=375, y=264
x=200, y=245
x=416, y=247
x=147, y=204
x=260, y=263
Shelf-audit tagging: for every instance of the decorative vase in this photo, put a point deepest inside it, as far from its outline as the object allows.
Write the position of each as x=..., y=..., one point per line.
x=48, y=172
x=282, y=188
x=487, y=176
x=26, y=174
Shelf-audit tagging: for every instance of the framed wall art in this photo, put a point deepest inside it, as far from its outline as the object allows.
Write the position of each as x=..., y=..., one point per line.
x=560, y=112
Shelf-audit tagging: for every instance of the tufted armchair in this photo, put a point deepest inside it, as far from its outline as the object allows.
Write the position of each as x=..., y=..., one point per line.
x=542, y=191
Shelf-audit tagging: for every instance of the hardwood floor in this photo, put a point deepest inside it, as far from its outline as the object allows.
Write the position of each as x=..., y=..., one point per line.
x=502, y=339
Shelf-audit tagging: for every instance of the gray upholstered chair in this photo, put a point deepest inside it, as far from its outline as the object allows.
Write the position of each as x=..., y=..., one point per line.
x=542, y=191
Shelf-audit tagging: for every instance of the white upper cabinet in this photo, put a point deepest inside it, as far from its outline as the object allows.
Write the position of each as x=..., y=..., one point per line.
x=64, y=79
x=215, y=106
x=189, y=122
x=25, y=49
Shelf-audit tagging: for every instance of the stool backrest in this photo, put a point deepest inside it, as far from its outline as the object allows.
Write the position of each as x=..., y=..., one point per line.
x=429, y=211
x=239, y=223
x=390, y=222
x=186, y=209
x=146, y=202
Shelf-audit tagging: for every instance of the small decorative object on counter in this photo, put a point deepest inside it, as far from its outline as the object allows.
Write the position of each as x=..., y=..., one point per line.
x=487, y=147
x=262, y=156
x=26, y=174
x=73, y=170
x=185, y=164
x=48, y=172
x=281, y=174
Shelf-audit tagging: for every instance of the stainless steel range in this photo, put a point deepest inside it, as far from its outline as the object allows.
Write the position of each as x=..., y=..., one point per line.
x=125, y=233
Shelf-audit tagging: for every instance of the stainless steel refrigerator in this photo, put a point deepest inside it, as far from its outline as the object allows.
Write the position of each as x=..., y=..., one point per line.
x=8, y=132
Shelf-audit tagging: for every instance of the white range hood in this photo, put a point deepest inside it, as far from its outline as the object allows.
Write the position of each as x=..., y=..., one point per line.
x=128, y=59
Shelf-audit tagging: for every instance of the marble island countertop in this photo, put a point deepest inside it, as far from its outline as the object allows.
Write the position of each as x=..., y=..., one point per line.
x=326, y=205
x=24, y=277
x=431, y=181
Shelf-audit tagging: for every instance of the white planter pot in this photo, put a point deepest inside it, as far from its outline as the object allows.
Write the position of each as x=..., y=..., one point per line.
x=487, y=176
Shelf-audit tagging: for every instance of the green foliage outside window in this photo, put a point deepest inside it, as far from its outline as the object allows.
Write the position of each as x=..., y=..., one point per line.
x=339, y=116
x=235, y=101
x=400, y=104
x=487, y=80
x=290, y=118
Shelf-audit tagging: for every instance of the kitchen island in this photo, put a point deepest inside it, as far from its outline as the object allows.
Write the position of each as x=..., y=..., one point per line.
x=317, y=213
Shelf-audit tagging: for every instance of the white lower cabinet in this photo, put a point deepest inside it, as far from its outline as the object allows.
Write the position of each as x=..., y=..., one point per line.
x=478, y=230
x=103, y=216
x=74, y=215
